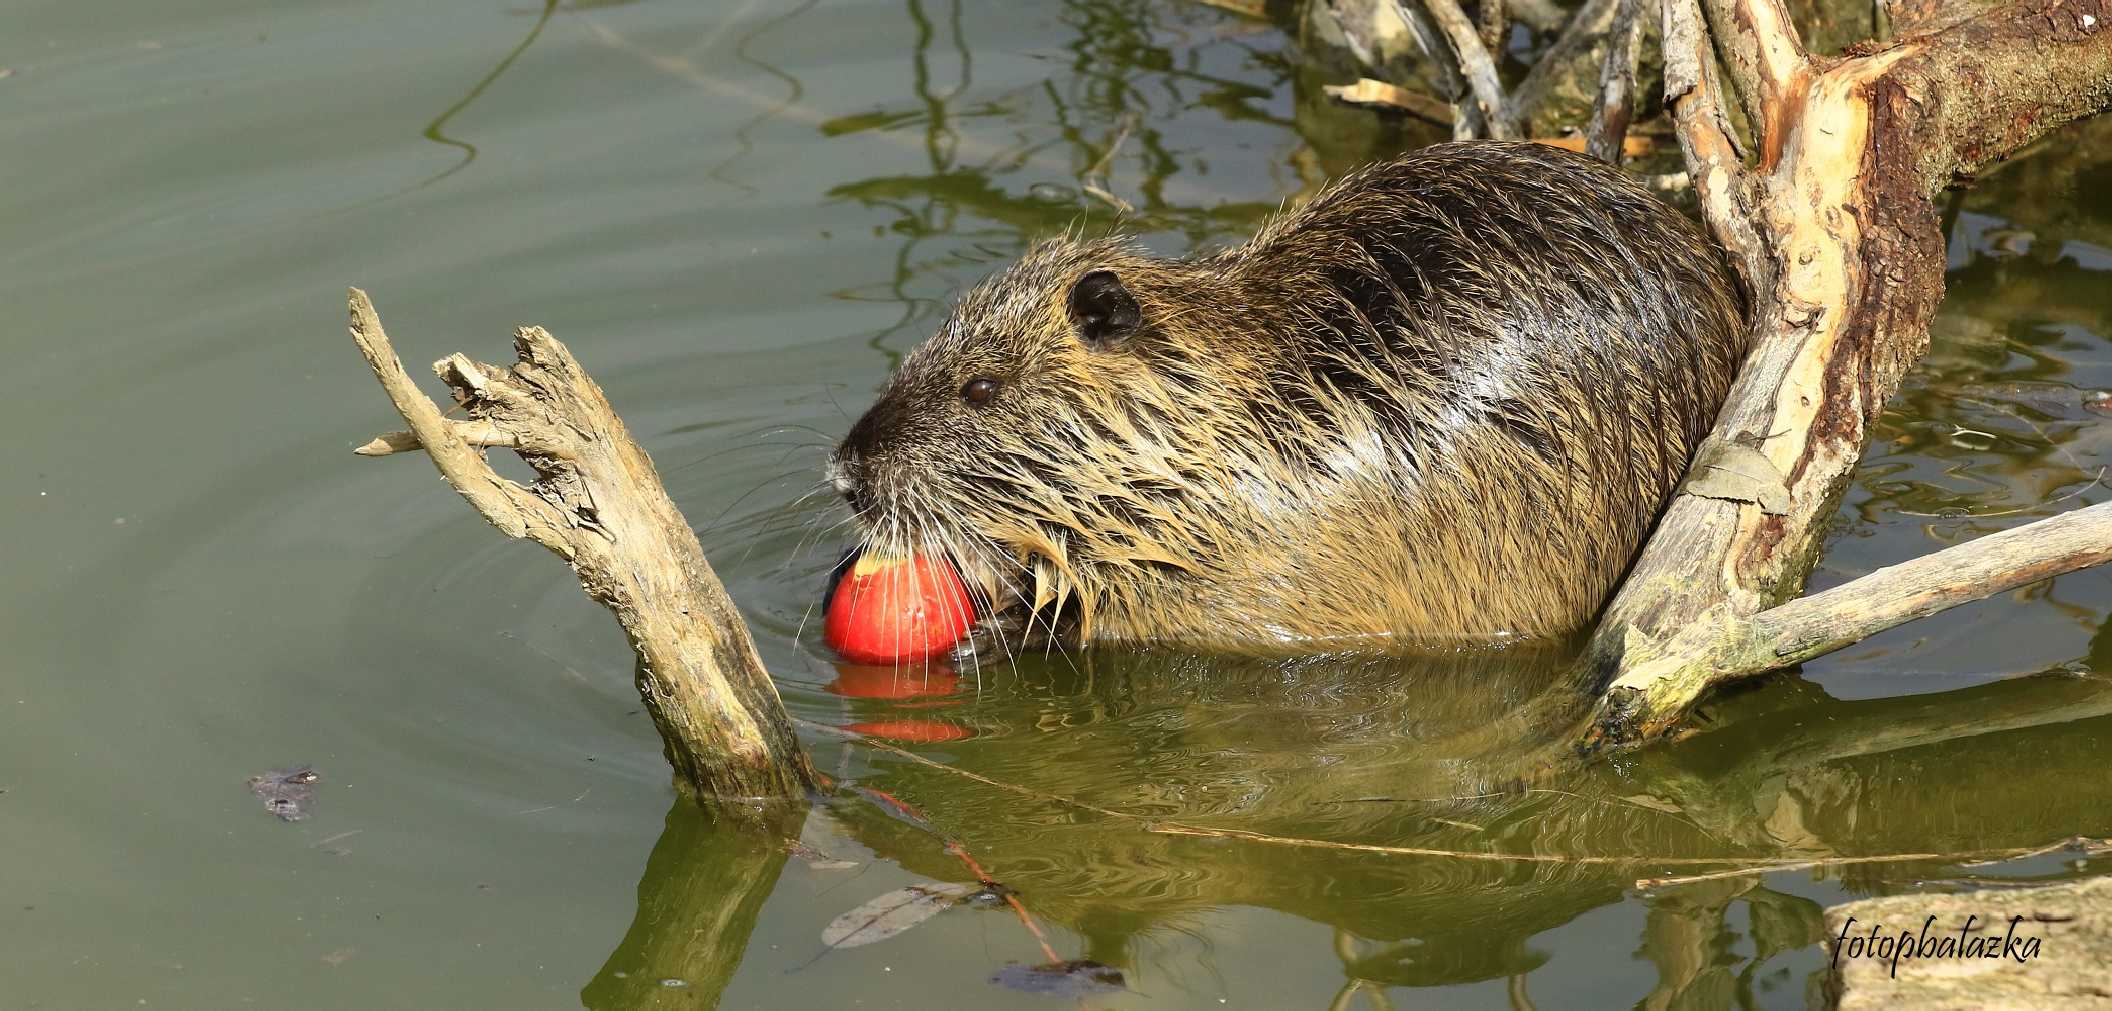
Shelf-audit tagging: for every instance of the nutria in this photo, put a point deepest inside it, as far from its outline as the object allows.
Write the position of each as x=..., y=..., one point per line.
x=1445, y=398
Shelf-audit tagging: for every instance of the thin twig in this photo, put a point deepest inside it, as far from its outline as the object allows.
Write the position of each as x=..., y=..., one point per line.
x=1094, y=180
x=1302, y=842
x=1616, y=100
x=1012, y=899
x=480, y=434
x=1476, y=65
x=1468, y=123
x=959, y=850
x=2096, y=481
x=1160, y=827
x=1967, y=859
x=1368, y=92
x=879, y=745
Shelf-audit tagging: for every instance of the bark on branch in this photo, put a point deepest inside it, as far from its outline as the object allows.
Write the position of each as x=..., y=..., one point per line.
x=1835, y=231
x=1768, y=66
x=598, y=504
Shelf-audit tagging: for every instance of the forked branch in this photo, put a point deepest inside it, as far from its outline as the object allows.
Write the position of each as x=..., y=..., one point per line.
x=598, y=503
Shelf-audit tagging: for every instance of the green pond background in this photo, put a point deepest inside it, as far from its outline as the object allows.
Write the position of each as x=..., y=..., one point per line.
x=739, y=215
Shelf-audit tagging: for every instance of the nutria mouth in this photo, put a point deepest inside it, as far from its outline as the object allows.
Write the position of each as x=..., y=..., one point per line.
x=1445, y=397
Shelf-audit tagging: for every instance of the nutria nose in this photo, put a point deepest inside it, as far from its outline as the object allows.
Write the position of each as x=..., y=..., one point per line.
x=850, y=474
x=838, y=472
x=846, y=471
x=852, y=466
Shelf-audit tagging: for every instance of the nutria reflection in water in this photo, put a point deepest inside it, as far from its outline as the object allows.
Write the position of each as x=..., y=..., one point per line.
x=1444, y=399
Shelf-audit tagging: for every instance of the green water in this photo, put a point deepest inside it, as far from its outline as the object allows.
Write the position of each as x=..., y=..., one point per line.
x=739, y=215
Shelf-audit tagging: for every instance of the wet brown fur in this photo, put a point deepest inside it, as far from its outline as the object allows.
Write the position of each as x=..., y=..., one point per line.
x=1446, y=398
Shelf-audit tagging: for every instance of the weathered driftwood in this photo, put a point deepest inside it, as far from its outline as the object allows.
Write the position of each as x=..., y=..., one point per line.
x=1721, y=645
x=598, y=504
x=1831, y=222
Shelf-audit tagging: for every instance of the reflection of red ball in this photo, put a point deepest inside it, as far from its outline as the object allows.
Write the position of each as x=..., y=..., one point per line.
x=913, y=731
x=897, y=610
x=862, y=681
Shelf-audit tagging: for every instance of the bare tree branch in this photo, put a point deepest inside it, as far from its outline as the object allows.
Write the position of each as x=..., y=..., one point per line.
x=1365, y=91
x=1475, y=64
x=1720, y=646
x=1769, y=69
x=1714, y=164
x=598, y=504
x=1468, y=121
x=1616, y=103
x=1567, y=65
x=1492, y=24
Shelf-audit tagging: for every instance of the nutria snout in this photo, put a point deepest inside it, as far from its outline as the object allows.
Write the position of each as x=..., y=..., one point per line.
x=1446, y=398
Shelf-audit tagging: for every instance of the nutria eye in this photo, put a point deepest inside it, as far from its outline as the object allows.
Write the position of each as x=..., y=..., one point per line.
x=979, y=391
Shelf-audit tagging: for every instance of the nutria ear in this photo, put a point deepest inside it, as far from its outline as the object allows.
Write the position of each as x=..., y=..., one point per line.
x=1102, y=308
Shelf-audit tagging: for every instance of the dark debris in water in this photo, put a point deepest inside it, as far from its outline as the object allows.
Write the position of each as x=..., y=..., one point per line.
x=286, y=792
x=1078, y=977
x=990, y=894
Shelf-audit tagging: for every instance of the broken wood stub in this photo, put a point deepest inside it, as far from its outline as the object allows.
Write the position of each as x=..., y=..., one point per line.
x=598, y=504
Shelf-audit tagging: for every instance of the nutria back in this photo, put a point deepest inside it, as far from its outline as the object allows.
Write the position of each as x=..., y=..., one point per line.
x=1445, y=399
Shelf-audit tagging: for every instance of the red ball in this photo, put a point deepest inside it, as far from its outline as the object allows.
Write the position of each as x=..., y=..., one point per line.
x=897, y=610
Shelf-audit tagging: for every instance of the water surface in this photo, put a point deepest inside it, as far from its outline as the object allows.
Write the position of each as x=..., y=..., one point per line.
x=739, y=216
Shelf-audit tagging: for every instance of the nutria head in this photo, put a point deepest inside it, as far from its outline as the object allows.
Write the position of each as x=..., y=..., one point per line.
x=1040, y=437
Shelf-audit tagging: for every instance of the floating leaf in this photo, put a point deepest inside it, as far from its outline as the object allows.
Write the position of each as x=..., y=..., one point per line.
x=893, y=913
x=286, y=792
x=1075, y=978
